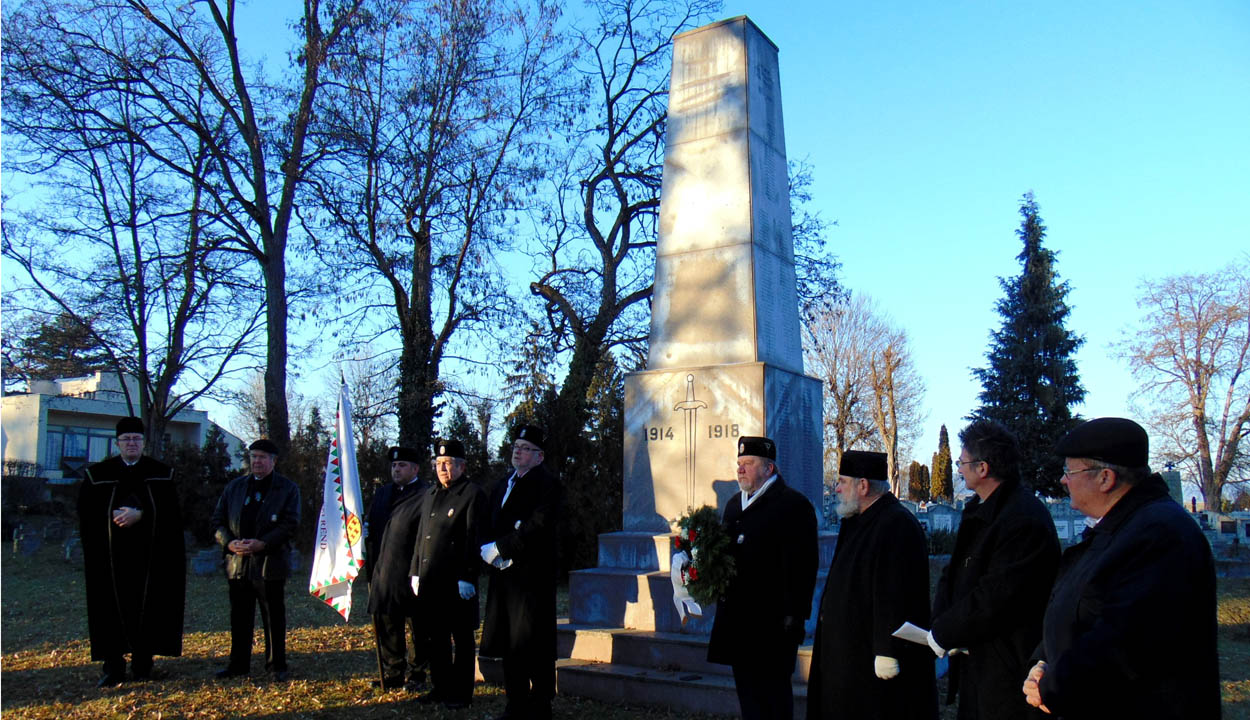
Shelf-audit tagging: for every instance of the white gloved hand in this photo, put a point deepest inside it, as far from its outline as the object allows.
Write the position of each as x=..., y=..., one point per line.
x=959, y=651
x=490, y=553
x=416, y=583
x=467, y=590
x=885, y=667
x=937, y=649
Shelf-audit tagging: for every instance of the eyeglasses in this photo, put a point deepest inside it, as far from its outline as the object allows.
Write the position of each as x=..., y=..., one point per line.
x=1069, y=473
x=967, y=462
x=525, y=448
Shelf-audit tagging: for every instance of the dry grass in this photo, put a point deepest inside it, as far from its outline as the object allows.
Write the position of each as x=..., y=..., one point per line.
x=46, y=671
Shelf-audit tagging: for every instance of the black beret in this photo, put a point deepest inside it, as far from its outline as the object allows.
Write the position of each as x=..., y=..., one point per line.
x=1118, y=441
x=530, y=434
x=863, y=464
x=449, y=448
x=757, y=446
x=129, y=425
x=264, y=445
x=403, y=453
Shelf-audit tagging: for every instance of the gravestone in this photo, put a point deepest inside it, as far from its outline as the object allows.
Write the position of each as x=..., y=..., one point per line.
x=725, y=354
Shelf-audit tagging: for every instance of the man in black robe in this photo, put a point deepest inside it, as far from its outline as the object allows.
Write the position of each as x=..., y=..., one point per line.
x=1130, y=629
x=878, y=580
x=759, y=622
x=134, y=558
x=256, y=518
x=444, y=571
x=992, y=595
x=520, y=552
x=394, y=516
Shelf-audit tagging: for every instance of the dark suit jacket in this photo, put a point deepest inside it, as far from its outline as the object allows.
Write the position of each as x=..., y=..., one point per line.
x=275, y=526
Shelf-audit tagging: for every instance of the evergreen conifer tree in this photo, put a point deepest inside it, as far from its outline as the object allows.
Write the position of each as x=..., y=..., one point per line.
x=941, y=487
x=1031, y=381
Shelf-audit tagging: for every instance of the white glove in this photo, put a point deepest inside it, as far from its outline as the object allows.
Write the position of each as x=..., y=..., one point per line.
x=467, y=590
x=490, y=553
x=937, y=649
x=416, y=584
x=885, y=667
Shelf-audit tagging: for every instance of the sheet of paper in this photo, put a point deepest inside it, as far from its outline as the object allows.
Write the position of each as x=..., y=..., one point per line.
x=912, y=633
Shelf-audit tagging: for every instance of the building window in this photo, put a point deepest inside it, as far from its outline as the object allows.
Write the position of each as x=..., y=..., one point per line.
x=72, y=448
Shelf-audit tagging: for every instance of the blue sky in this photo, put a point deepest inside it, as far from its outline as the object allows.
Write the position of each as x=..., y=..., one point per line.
x=927, y=121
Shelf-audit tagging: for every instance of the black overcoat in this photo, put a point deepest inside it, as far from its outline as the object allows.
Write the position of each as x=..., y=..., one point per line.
x=1130, y=628
x=521, y=600
x=276, y=524
x=135, y=576
x=453, y=523
x=991, y=598
x=773, y=544
x=394, y=516
x=878, y=579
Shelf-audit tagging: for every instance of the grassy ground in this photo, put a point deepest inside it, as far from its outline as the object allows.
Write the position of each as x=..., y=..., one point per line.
x=46, y=671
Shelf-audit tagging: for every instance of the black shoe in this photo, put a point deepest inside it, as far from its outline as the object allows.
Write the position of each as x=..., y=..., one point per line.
x=390, y=683
x=429, y=698
x=229, y=672
x=280, y=675
x=108, y=681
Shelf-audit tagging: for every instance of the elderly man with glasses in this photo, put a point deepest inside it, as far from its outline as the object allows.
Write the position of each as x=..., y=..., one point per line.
x=1130, y=627
x=520, y=553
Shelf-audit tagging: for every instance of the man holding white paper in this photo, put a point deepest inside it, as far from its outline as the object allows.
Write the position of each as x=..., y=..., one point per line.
x=878, y=580
x=991, y=596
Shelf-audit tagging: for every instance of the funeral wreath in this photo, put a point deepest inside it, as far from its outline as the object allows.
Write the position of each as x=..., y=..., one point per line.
x=704, y=539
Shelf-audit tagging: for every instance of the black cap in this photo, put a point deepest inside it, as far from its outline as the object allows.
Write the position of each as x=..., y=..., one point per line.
x=757, y=446
x=130, y=424
x=449, y=448
x=264, y=445
x=1118, y=441
x=530, y=434
x=863, y=464
x=403, y=453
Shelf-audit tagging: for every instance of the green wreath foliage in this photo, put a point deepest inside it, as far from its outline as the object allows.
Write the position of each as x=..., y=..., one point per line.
x=711, y=567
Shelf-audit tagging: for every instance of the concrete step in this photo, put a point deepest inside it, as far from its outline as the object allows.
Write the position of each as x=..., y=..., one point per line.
x=676, y=690
x=674, y=652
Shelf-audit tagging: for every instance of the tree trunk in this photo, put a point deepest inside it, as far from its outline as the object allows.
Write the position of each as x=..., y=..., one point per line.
x=277, y=419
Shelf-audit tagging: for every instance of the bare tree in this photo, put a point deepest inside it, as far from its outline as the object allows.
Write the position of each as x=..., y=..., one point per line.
x=434, y=133
x=873, y=393
x=1190, y=353
x=599, y=256
x=127, y=250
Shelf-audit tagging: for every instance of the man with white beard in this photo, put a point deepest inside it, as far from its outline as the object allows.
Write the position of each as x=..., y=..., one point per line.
x=878, y=580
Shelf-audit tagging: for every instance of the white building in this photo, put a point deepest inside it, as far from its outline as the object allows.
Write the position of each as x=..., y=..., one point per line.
x=63, y=425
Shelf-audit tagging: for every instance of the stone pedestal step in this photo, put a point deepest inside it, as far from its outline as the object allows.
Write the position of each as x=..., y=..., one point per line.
x=677, y=690
x=676, y=652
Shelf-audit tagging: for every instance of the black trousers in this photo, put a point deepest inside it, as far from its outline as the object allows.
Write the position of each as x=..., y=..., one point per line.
x=529, y=681
x=764, y=691
x=270, y=595
x=401, y=646
x=452, y=647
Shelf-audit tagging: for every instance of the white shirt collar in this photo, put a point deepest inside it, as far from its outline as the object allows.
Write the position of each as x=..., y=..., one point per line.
x=748, y=499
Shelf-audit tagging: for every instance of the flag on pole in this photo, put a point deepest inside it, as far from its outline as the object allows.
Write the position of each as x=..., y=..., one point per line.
x=340, y=538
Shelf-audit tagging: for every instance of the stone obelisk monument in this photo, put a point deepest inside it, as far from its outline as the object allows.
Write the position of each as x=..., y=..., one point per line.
x=725, y=354
x=725, y=357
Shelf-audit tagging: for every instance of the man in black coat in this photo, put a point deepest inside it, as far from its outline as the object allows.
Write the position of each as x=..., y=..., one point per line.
x=759, y=622
x=444, y=570
x=520, y=551
x=991, y=596
x=1130, y=628
x=878, y=580
x=133, y=557
x=256, y=517
x=394, y=516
